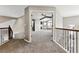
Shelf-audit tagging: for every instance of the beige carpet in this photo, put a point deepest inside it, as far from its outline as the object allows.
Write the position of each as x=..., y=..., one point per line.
x=41, y=43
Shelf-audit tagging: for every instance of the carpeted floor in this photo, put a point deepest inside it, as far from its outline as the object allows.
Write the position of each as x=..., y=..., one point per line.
x=41, y=43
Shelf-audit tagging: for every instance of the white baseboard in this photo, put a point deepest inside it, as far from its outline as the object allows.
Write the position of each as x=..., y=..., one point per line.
x=28, y=41
x=61, y=46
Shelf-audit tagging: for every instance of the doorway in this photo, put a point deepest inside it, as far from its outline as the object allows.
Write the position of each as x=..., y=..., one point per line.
x=42, y=26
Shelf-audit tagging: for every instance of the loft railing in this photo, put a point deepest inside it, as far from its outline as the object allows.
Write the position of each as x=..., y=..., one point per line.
x=68, y=38
x=6, y=34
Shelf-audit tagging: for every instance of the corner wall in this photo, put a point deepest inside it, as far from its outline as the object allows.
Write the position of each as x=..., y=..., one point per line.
x=18, y=28
x=27, y=25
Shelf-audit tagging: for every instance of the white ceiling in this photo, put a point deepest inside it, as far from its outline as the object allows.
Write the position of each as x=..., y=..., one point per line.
x=12, y=10
x=68, y=10
x=18, y=10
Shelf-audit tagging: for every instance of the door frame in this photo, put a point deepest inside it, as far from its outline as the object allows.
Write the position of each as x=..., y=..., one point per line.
x=53, y=21
x=30, y=9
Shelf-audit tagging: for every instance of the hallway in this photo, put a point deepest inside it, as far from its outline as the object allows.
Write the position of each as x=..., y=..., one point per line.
x=41, y=43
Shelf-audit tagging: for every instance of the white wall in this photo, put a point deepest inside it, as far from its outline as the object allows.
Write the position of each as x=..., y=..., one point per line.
x=18, y=28
x=59, y=19
x=19, y=25
x=74, y=20
x=7, y=23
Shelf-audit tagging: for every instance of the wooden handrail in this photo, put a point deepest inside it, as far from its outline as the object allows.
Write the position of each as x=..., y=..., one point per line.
x=69, y=39
x=68, y=29
x=4, y=28
x=10, y=32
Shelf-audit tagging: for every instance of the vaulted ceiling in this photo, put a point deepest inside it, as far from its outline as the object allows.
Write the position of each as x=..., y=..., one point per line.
x=12, y=10
x=18, y=10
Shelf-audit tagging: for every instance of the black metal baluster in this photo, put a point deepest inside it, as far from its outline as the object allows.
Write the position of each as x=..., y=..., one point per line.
x=76, y=42
x=1, y=36
x=70, y=41
x=73, y=41
x=65, y=39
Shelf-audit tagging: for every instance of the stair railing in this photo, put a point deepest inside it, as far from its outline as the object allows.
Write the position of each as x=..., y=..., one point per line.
x=6, y=34
x=68, y=39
